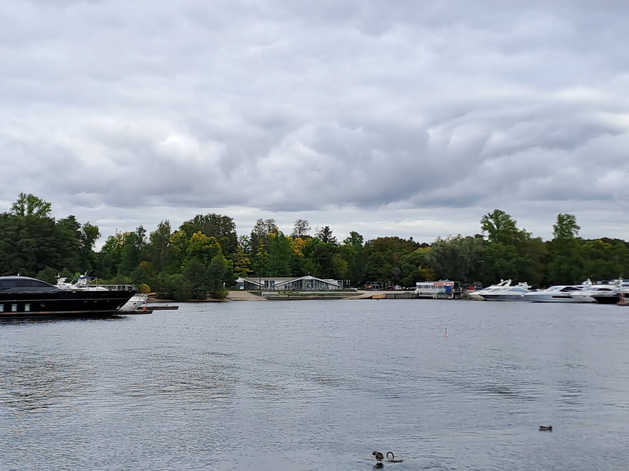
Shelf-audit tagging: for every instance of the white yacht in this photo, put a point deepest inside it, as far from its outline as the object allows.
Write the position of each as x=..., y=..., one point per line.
x=557, y=294
x=478, y=295
x=603, y=293
x=508, y=293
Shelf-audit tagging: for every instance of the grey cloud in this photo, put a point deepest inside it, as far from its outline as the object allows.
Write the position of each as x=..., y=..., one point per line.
x=329, y=107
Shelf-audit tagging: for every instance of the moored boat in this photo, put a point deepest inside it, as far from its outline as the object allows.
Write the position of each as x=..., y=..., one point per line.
x=22, y=296
x=602, y=294
x=557, y=294
x=478, y=295
x=508, y=293
x=138, y=300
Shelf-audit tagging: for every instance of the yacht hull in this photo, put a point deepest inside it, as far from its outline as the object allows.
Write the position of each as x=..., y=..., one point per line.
x=607, y=299
x=62, y=303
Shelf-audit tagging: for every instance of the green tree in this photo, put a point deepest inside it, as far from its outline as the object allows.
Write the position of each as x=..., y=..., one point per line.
x=70, y=251
x=326, y=236
x=222, y=228
x=89, y=234
x=216, y=274
x=203, y=247
x=132, y=245
x=605, y=259
x=261, y=261
x=280, y=255
x=509, y=252
x=31, y=205
x=242, y=263
x=565, y=264
x=501, y=228
x=197, y=275
x=301, y=229
x=260, y=233
x=353, y=252
x=161, y=252
x=456, y=258
x=383, y=256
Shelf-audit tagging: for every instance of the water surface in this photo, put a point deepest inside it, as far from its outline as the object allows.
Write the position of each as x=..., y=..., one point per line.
x=310, y=385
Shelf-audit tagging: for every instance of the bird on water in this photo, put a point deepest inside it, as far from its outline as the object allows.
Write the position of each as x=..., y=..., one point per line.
x=390, y=456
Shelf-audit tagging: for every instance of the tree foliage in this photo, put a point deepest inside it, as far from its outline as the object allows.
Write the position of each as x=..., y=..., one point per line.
x=204, y=255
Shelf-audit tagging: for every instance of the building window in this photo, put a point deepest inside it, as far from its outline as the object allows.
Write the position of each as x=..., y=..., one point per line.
x=1, y=307
x=14, y=307
x=27, y=307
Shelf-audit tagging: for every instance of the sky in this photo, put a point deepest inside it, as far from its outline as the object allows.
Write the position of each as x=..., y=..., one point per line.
x=401, y=118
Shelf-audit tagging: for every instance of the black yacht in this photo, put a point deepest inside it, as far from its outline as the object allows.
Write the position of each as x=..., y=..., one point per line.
x=21, y=296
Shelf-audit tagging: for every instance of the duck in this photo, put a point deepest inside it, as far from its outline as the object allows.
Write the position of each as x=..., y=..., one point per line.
x=379, y=456
x=545, y=428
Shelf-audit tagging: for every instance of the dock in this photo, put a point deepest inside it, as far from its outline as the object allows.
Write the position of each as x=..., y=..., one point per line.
x=387, y=295
x=162, y=307
x=135, y=313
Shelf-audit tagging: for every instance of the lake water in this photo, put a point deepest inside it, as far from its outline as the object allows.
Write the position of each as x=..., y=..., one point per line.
x=311, y=385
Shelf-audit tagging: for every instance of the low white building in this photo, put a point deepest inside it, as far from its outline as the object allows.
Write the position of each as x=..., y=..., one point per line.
x=288, y=283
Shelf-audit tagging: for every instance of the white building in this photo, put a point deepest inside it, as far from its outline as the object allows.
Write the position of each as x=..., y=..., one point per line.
x=286, y=283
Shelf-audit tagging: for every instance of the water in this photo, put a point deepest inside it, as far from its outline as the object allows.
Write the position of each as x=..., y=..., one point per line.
x=310, y=385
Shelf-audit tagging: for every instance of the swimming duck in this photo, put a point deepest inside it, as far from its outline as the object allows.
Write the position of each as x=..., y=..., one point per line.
x=379, y=456
x=545, y=428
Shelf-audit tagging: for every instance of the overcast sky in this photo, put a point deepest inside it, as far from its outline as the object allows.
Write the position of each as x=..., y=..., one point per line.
x=407, y=118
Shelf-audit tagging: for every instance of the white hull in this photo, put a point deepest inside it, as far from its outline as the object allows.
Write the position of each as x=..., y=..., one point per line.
x=505, y=292
x=136, y=303
x=548, y=298
x=583, y=298
x=503, y=297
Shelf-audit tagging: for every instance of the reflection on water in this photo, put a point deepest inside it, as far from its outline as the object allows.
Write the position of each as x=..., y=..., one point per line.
x=319, y=385
x=31, y=382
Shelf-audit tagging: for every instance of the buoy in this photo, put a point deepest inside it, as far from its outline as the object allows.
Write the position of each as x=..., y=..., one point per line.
x=391, y=457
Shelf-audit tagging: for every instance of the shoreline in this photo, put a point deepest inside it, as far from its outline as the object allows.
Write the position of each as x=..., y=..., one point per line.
x=236, y=295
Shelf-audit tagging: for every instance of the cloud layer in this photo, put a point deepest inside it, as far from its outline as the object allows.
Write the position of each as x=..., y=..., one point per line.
x=400, y=118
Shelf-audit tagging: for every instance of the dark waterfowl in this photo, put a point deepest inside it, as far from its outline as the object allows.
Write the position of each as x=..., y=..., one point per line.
x=545, y=428
x=379, y=456
x=390, y=457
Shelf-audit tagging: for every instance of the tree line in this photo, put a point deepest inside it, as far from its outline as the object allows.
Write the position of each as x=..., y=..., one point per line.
x=205, y=255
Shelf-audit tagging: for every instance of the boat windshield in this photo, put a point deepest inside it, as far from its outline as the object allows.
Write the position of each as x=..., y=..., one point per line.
x=17, y=282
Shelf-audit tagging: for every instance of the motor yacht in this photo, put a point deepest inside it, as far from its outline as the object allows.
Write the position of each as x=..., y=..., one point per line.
x=508, y=293
x=478, y=295
x=557, y=294
x=87, y=283
x=22, y=296
x=602, y=294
